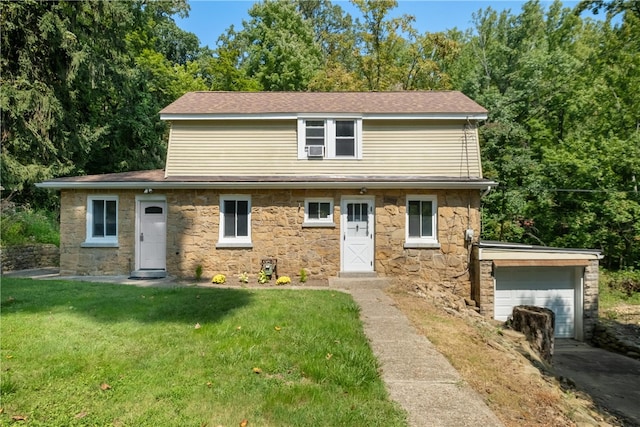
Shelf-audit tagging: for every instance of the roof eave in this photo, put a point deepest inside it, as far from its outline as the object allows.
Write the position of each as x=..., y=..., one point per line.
x=522, y=247
x=475, y=116
x=251, y=185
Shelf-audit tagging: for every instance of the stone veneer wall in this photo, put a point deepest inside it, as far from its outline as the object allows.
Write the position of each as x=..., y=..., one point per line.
x=76, y=260
x=447, y=266
x=483, y=292
x=590, y=314
x=277, y=231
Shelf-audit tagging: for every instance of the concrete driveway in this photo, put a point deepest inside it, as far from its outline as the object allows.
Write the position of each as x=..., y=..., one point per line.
x=611, y=379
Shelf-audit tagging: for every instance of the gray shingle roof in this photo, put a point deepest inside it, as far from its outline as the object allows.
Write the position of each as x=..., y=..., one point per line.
x=409, y=102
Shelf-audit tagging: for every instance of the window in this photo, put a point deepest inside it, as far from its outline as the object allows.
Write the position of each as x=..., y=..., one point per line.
x=314, y=132
x=339, y=138
x=235, y=221
x=102, y=221
x=421, y=226
x=345, y=138
x=318, y=212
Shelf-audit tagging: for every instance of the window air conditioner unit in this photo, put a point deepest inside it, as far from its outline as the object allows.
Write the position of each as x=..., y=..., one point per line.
x=315, y=151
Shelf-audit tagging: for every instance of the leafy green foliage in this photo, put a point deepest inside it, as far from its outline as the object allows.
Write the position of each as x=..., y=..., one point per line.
x=625, y=282
x=77, y=90
x=82, y=83
x=20, y=226
x=562, y=136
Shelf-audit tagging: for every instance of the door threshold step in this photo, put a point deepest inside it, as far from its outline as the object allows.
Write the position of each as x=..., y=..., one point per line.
x=358, y=282
x=358, y=274
x=148, y=274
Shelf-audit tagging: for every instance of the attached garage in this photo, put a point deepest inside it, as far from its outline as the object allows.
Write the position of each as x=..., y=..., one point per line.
x=550, y=287
x=563, y=280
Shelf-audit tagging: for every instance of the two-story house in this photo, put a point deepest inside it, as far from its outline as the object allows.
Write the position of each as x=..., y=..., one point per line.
x=385, y=182
x=375, y=183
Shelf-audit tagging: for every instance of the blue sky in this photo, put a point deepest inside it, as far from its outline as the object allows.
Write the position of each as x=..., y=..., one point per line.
x=209, y=19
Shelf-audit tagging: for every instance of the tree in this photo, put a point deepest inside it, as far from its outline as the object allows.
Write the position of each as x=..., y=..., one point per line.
x=75, y=93
x=223, y=69
x=276, y=47
x=562, y=134
x=335, y=34
x=378, y=41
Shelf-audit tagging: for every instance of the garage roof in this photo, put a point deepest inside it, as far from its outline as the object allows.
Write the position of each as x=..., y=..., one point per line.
x=505, y=254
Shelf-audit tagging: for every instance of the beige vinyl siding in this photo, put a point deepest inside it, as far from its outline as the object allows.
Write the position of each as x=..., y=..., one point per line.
x=269, y=147
x=230, y=148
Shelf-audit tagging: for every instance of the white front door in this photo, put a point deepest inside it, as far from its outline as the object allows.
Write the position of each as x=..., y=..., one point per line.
x=152, y=235
x=357, y=222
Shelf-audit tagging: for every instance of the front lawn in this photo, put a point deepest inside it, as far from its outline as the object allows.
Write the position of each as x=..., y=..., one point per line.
x=78, y=353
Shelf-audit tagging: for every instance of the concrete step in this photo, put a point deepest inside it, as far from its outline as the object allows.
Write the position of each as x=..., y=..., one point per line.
x=148, y=274
x=358, y=281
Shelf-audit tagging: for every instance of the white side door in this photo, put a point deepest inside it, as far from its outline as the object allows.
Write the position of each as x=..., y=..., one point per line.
x=357, y=230
x=152, y=235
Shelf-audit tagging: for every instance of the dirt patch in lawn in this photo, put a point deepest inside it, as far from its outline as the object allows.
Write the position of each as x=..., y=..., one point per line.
x=498, y=364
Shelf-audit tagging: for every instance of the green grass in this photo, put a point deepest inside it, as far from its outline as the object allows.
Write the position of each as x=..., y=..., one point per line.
x=62, y=340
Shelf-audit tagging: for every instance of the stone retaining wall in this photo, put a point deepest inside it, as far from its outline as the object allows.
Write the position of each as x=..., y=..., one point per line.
x=605, y=336
x=25, y=257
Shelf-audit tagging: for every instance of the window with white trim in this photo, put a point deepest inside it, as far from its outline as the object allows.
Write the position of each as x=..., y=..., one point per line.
x=235, y=219
x=318, y=212
x=422, y=220
x=102, y=220
x=330, y=138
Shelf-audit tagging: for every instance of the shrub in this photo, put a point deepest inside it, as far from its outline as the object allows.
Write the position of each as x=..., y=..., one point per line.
x=23, y=225
x=626, y=281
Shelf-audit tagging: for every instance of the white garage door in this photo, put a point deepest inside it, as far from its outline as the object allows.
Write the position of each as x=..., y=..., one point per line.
x=550, y=287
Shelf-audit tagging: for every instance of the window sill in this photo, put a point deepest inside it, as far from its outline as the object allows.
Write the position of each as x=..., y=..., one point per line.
x=422, y=245
x=234, y=245
x=99, y=245
x=318, y=225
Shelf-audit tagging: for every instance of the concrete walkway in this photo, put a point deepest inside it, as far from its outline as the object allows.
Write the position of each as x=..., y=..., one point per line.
x=417, y=376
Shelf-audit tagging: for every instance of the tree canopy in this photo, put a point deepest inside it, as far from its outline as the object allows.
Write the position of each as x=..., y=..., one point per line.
x=82, y=83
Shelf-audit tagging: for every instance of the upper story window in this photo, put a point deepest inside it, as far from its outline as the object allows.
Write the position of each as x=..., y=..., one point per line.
x=102, y=221
x=235, y=220
x=329, y=138
x=422, y=221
